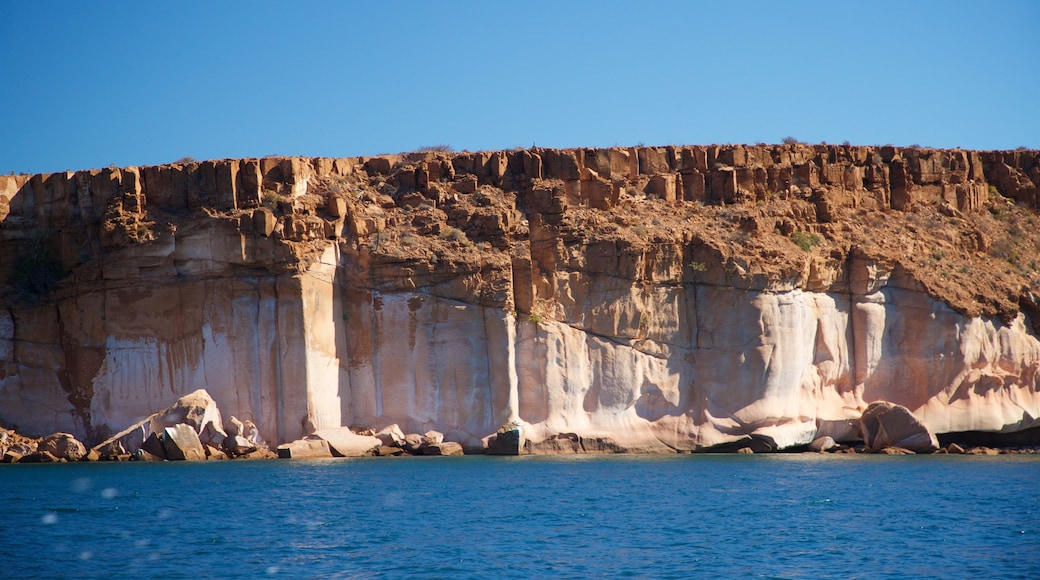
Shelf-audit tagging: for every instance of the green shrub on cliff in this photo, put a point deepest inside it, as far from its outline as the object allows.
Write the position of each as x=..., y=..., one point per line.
x=805, y=241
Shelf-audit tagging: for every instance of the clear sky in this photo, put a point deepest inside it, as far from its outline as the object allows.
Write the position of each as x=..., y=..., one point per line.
x=89, y=84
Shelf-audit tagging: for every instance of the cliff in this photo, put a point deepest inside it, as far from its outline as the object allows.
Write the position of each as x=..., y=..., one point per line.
x=640, y=299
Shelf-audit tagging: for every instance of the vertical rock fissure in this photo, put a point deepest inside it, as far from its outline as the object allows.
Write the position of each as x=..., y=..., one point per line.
x=851, y=339
x=487, y=367
x=376, y=355
x=80, y=401
x=277, y=339
x=256, y=399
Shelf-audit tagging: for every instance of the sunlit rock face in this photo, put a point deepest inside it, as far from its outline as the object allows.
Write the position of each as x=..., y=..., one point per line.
x=736, y=364
x=304, y=295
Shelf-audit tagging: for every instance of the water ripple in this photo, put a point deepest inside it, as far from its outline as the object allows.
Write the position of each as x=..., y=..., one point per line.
x=784, y=516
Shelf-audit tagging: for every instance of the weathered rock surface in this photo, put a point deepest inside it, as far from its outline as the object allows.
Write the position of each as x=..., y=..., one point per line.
x=237, y=445
x=413, y=443
x=389, y=451
x=895, y=451
x=391, y=436
x=345, y=443
x=508, y=440
x=825, y=443
x=307, y=448
x=63, y=446
x=982, y=451
x=42, y=457
x=651, y=299
x=443, y=448
x=233, y=427
x=181, y=442
x=197, y=410
x=432, y=437
x=886, y=425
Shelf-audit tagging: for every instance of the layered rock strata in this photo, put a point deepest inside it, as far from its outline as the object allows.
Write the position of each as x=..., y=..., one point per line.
x=650, y=299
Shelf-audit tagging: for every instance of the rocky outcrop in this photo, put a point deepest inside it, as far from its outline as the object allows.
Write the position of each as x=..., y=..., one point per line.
x=651, y=299
x=822, y=444
x=63, y=446
x=884, y=425
x=187, y=430
x=57, y=447
x=308, y=448
x=181, y=443
x=345, y=443
x=508, y=440
x=445, y=448
x=196, y=410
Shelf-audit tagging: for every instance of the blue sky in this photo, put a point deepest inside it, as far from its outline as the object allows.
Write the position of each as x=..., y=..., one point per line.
x=86, y=85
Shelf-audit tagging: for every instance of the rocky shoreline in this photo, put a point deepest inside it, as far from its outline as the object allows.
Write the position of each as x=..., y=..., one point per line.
x=191, y=430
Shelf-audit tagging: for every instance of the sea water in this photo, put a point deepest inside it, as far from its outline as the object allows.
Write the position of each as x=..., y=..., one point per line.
x=757, y=516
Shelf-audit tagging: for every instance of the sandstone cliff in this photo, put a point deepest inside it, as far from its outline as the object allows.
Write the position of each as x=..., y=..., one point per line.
x=640, y=299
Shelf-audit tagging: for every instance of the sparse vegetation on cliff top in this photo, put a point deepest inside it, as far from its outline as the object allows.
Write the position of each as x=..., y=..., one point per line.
x=759, y=216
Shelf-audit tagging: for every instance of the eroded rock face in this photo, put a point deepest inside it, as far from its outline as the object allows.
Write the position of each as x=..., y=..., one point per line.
x=885, y=425
x=197, y=410
x=443, y=448
x=63, y=446
x=181, y=442
x=237, y=445
x=641, y=300
x=310, y=448
x=824, y=443
x=345, y=443
x=508, y=440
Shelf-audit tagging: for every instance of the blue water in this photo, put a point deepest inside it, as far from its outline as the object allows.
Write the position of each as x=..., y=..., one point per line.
x=758, y=516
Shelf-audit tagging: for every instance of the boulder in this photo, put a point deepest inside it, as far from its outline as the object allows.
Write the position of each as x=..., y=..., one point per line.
x=252, y=433
x=11, y=456
x=304, y=449
x=895, y=451
x=822, y=444
x=40, y=457
x=196, y=409
x=954, y=449
x=142, y=455
x=391, y=436
x=508, y=440
x=432, y=437
x=238, y=445
x=233, y=427
x=443, y=448
x=336, y=207
x=109, y=451
x=885, y=424
x=153, y=446
x=388, y=451
x=63, y=446
x=982, y=451
x=214, y=452
x=264, y=221
x=181, y=443
x=345, y=443
x=413, y=443
x=212, y=435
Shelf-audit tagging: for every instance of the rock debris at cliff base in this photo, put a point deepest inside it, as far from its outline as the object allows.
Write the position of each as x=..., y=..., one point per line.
x=651, y=299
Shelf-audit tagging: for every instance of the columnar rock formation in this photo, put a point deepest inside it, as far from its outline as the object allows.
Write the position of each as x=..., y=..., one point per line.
x=640, y=299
